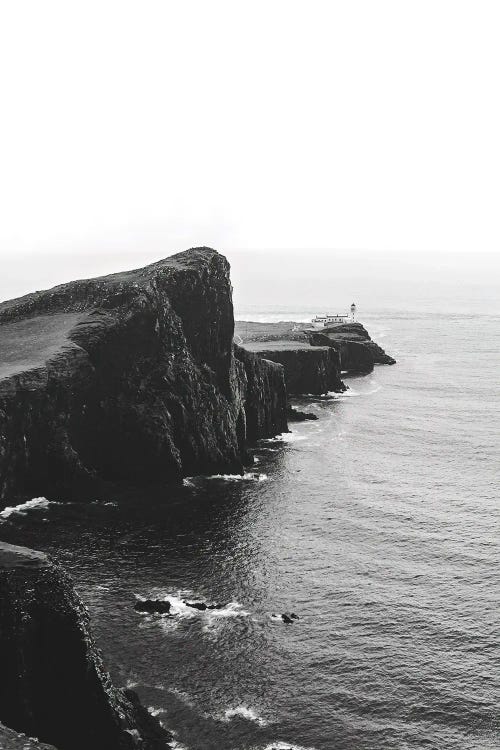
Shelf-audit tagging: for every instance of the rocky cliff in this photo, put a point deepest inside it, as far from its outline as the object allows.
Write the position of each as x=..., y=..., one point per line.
x=313, y=370
x=53, y=685
x=129, y=377
x=265, y=396
x=357, y=351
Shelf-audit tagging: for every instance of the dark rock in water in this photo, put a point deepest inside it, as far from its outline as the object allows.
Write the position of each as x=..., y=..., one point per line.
x=295, y=415
x=294, y=616
x=288, y=619
x=202, y=606
x=130, y=377
x=53, y=684
x=152, y=605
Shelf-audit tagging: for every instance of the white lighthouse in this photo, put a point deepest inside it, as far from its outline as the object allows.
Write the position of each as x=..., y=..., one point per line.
x=353, y=312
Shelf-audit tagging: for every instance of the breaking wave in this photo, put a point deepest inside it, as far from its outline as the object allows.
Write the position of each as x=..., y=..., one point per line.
x=248, y=476
x=243, y=712
x=38, y=503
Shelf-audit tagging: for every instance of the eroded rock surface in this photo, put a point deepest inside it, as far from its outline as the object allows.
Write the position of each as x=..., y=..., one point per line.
x=129, y=377
x=357, y=351
x=53, y=684
x=308, y=370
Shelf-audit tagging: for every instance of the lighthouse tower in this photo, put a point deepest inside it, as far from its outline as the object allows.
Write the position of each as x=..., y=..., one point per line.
x=353, y=312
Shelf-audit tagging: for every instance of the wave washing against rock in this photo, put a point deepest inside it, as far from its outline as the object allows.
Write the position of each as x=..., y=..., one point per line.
x=243, y=712
x=180, y=611
x=248, y=476
x=37, y=503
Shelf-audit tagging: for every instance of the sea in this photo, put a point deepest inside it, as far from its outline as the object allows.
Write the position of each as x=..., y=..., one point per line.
x=377, y=524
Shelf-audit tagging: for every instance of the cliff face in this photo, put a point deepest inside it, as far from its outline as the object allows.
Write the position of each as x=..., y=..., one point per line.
x=52, y=682
x=352, y=342
x=265, y=396
x=128, y=377
x=314, y=370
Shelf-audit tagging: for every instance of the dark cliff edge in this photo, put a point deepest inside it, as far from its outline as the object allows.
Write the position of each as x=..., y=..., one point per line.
x=357, y=352
x=308, y=370
x=130, y=377
x=53, y=685
x=313, y=360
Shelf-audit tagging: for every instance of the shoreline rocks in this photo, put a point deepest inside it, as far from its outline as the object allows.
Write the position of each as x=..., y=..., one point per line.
x=53, y=684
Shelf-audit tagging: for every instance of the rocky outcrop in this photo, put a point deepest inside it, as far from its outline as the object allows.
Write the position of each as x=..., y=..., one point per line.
x=11, y=740
x=129, y=377
x=53, y=684
x=296, y=415
x=357, y=352
x=354, y=356
x=265, y=400
x=308, y=370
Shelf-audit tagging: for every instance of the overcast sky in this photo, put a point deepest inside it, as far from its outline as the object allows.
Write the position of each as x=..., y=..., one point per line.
x=248, y=124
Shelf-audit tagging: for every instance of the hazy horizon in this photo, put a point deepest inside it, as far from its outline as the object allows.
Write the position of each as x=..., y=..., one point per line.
x=309, y=280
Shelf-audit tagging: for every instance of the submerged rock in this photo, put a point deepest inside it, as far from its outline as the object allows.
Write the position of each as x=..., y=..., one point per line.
x=202, y=606
x=53, y=684
x=287, y=617
x=295, y=415
x=151, y=606
x=130, y=377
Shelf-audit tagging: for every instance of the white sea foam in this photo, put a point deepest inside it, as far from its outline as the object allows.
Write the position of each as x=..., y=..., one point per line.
x=156, y=711
x=293, y=437
x=179, y=611
x=245, y=713
x=249, y=476
x=38, y=503
x=175, y=744
x=279, y=745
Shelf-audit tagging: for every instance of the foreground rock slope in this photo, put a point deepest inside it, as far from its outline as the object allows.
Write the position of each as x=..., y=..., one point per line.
x=129, y=377
x=53, y=685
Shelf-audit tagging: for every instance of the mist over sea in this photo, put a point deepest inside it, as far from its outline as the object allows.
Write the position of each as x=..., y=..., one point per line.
x=377, y=525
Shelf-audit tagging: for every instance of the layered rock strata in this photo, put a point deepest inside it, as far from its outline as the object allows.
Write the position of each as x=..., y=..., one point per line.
x=53, y=684
x=129, y=377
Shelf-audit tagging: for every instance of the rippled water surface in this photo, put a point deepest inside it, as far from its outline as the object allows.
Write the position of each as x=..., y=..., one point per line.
x=377, y=525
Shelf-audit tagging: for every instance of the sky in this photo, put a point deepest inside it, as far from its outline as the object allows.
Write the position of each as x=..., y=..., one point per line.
x=143, y=128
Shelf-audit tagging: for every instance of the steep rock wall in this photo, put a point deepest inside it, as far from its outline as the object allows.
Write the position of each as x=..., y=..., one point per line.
x=357, y=351
x=53, y=684
x=265, y=400
x=354, y=356
x=314, y=370
x=126, y=377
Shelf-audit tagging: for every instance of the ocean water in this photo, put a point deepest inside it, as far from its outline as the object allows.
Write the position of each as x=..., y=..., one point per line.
x=376, y=524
